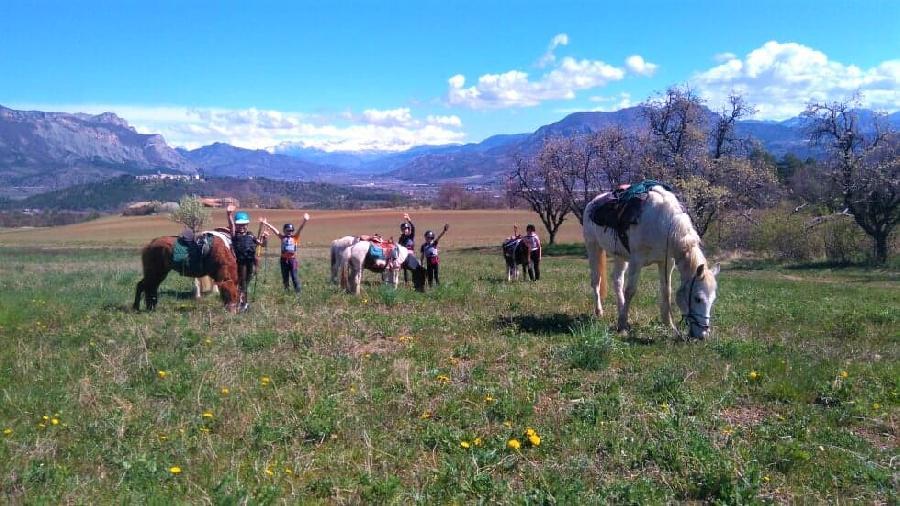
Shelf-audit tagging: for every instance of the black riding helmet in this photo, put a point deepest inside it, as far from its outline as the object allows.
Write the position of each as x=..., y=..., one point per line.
x=405, y=226
x=288, y=227
x=429, y=234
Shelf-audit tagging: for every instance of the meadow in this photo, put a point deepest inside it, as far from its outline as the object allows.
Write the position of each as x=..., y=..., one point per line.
x=476, y=391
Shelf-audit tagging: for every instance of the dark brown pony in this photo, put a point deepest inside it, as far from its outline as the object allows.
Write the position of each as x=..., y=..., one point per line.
x=157, y=261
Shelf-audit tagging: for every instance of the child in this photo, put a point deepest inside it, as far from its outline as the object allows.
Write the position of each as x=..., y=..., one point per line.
x=430, y=256
x=244, y=244
x=290, y=241
x=407, y=240
x=534, y=253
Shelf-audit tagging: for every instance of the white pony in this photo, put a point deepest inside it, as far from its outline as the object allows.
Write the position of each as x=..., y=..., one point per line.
x=350, y=255
x=662, y=233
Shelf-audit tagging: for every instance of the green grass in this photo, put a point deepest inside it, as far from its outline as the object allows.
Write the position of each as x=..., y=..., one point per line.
x=332, y=398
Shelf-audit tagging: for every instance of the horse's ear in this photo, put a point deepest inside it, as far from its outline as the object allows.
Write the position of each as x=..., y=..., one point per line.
x=716, y=268
x=700, y=270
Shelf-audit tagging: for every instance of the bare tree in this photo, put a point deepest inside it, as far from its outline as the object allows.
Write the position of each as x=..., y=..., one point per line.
x=538, y=181
x=725, y=142
x=677, y=125
x=864, y=167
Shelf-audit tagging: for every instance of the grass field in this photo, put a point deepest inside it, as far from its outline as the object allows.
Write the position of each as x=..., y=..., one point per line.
x=399, y=397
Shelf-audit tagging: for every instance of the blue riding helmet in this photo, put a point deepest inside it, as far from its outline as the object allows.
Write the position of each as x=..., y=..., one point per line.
x=241, y=218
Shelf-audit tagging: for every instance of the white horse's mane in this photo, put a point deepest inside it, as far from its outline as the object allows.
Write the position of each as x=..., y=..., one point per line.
x=683, y=237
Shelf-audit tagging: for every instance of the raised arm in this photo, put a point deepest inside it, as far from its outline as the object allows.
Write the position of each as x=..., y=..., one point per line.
x=412, y=226
x=263, y=221
x=229, y=212
x=444, y=231
x=302, y=224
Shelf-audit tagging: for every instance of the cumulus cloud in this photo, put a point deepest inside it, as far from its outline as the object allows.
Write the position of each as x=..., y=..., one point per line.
x=516, y=88
x=560, y=39
x=723, y=57
x=781, y=78
x=189, y=127
x=637, y=65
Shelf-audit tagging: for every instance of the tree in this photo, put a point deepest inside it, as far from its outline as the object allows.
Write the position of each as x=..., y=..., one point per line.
x=864, y=167
x=450, y=196
x=538, y=181
x=191, y=213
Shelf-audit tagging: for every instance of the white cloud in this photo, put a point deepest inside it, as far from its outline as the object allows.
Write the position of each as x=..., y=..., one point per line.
x=723, y=57
x=392, y=129
x=560, y=39
x=637, y=65
x=781, y=78
x=516, y=88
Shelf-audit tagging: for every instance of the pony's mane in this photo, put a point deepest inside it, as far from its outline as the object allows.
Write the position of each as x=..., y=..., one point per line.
x=684, y=238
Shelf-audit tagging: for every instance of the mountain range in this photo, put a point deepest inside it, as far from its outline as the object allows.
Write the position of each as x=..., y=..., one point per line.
x=43, y=151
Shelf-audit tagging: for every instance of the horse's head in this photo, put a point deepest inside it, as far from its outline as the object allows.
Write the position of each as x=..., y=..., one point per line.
x=695, y=298
x=418, y=277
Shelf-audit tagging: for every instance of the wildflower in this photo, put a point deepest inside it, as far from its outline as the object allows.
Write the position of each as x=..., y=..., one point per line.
x=162, y=374
x=425, y=415
x=42, y=425
x=7, y=431
x=288, y=470
x=513, y=444
x=207, y=414
x=54, y=421
x=175, y=470
x=265, y=380
x=163, y=437
x=489, y=398
x=753, y=375
x=507, y=424
x=269, y=471
x=727, y=430
x=876, y=406
x=530, y=432
x=453, y=361
x=465, y=444
x=443, y=378
x=766, y=478
x=225, y=391
x=477, y=441
x=844, y=374
x=534, y=440
x=45, y=418
x=207, y=341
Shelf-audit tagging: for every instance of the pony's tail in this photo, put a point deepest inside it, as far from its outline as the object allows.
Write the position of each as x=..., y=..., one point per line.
x=601, y=268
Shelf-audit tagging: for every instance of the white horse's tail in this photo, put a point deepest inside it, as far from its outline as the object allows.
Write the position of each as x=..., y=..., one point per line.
x=601, y=268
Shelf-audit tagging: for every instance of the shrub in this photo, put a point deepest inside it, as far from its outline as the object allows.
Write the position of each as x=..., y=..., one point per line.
x=783, y=235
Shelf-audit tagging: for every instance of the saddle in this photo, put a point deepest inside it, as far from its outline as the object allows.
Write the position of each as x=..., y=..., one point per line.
x=382, y=254
x=621, y=208
x=191, y=251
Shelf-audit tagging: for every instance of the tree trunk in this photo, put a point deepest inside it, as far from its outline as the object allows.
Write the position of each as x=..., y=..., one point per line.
x=881, y=248
x=552, y=235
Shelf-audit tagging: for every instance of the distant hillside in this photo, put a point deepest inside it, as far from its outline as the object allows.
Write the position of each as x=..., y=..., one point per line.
x=41, y=151
x=114, y=194
x=225, y=160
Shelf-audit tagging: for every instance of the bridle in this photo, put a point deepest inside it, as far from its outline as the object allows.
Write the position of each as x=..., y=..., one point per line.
x=691, y=318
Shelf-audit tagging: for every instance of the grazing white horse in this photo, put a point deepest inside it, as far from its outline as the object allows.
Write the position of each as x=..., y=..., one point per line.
x=663, y=234
x=350, y=255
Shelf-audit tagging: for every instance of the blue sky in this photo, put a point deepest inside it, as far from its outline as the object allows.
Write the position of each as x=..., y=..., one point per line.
x=388, y=75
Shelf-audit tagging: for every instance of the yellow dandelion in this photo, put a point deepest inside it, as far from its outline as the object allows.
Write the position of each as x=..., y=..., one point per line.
x=443, y=378
x=425, y=415
x=175, y=470
x=54, y=421
x=530, y=432
x=453, y=360
x=876, y=406
x=753, y=375
x=513, y=444
x=534, y=439
x=727, y=430
x=7, y=431
x=288, y=470
x=269, y=471
x=265, y=380
x=45, y=418
x=162, y=374
x=489, y=399
x=766, y=478
x=207, y=341
x=477, y=441
x=465, y=444
x=41, y=425
x=224, y=391
x=507, y=424
x=163, y=437
x=207, y=414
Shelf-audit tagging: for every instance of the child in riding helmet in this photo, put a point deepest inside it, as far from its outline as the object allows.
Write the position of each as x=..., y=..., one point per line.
x=244, y=244
x=534, y=253
x=430, y=256
x=290, y=241
x=407, y=240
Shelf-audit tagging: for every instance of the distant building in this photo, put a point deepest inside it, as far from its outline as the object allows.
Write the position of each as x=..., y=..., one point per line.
x=170, y=177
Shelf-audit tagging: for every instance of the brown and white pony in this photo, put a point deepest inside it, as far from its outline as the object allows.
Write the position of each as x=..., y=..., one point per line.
x=156, y=258
x=349, y=259
x=665, y=236
x=515, y=252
